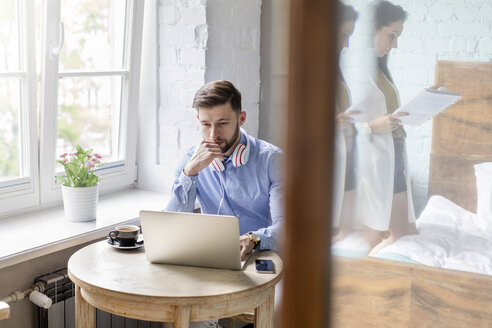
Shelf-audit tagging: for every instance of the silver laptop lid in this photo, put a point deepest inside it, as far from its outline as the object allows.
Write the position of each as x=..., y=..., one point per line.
x=202, y=240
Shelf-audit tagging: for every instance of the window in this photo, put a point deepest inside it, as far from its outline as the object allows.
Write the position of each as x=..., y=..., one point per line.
x=18, y=152
x=89, y=63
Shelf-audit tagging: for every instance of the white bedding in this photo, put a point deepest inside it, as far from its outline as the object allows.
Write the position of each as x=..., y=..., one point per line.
x=449, y=237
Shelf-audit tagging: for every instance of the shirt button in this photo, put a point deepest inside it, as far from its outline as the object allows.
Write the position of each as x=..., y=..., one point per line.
x=184, y=201
x=230, y=195
x=228, y=172
x=194, y=181
x=237, y=215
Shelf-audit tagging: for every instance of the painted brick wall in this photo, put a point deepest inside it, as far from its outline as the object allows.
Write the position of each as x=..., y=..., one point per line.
x=233, y=51
x=201, y=41
x=435, y=30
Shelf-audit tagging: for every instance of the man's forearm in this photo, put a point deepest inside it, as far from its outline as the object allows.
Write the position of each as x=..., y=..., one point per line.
x=183, y=195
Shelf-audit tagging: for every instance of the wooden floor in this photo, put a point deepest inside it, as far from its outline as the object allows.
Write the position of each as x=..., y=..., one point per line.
x=382, y=293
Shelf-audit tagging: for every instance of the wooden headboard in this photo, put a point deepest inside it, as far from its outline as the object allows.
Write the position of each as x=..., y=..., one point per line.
x=461, y=134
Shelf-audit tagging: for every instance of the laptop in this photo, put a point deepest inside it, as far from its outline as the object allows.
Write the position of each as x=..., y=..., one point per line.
x=193, y=239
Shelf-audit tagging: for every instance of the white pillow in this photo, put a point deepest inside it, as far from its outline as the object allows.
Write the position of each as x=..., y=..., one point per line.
x=483, y=173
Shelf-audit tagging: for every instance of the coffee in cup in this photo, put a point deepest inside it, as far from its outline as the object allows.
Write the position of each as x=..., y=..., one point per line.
x=125, y=235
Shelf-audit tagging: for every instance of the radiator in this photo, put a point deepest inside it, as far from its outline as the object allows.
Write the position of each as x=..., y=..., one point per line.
x=61, y=314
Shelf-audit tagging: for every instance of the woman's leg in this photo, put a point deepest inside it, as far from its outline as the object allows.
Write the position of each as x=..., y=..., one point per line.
x=399, y=225
x=347, y=216
x=372, y=237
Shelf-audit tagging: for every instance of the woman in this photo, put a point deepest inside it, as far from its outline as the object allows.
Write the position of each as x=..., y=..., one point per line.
x=345, y=181
x=388, y=204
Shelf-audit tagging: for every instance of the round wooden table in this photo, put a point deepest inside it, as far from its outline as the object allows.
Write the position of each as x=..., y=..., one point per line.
x=123, y=282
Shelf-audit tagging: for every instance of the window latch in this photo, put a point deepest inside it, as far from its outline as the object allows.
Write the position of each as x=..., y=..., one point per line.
x=56, y=49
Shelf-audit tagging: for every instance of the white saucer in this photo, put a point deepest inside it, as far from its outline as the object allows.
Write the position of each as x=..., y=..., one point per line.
x=116, y=244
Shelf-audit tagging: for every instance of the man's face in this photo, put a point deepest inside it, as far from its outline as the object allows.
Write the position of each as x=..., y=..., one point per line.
x=220, y=124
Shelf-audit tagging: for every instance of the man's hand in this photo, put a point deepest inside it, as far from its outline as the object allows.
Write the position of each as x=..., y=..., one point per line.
x=386, y=122
x=246, y=246
x=202, y=157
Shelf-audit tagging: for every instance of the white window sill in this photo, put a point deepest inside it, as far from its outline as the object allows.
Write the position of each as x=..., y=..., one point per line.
x=46, y=231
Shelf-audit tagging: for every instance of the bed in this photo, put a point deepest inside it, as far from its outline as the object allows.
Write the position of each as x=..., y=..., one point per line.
x=441, y=277
x=449, y=237
x=454, y=233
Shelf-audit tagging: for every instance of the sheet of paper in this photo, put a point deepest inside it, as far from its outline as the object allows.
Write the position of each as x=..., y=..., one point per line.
x=368, y=106
x=425, y=105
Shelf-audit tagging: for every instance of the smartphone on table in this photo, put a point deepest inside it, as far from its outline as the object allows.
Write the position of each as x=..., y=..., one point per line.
x=264, y=266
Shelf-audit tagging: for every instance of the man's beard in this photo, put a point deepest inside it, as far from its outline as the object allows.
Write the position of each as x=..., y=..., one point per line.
x=229, y=143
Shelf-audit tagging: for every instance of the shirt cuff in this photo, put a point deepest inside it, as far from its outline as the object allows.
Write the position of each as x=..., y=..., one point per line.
x=266, y=243
x=187, y=182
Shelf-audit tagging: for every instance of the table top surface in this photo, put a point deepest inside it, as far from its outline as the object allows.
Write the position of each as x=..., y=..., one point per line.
x=128, y=271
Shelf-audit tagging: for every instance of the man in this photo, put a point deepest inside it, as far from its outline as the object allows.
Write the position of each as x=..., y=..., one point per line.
x=231, y=173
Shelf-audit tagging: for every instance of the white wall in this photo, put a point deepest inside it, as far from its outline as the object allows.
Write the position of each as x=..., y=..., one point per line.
x=198, y=41
x=233, y=51
x=274, y=71
x=435, y=30
x=183, y=36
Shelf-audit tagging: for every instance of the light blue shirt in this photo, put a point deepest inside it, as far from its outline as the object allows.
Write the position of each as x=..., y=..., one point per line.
x=253, y=192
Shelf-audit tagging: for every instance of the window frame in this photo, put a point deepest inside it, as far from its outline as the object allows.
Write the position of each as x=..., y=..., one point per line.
x=23, y=192
x=119, y=174
x=38, y=188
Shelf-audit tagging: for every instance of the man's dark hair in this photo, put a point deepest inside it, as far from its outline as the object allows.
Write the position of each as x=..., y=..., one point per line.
x=218, y=93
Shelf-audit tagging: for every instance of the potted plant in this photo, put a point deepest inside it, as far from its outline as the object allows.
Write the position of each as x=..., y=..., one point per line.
x=80, y=184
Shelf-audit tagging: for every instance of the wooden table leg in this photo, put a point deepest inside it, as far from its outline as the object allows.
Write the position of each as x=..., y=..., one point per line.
x=85, y=314
x=264, y=314
x=182, y=316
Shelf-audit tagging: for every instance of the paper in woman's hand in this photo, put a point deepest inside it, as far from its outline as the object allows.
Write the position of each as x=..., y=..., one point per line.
x=359, y=112
x=425, y=105
x=367, y=109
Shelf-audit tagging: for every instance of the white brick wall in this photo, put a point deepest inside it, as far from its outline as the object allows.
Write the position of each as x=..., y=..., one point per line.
x=444, y=30
x=233, y=51
x=182, y=46
x=201, y=41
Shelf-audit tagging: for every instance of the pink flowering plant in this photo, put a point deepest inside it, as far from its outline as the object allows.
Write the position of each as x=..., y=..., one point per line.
x=79, y=168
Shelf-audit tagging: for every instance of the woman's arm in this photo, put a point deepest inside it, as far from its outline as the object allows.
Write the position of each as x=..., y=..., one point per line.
x=386, y=122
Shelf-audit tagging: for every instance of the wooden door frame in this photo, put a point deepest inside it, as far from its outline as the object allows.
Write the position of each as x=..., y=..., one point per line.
x=309, y=163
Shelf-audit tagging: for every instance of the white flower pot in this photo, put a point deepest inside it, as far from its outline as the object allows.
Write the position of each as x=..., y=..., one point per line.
x=80, y=204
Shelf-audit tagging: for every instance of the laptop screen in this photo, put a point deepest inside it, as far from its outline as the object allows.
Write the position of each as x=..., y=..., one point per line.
x=193, y=239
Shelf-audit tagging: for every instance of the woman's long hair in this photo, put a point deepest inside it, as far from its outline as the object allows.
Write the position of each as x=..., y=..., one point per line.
x=386, y=13
x=345, y=13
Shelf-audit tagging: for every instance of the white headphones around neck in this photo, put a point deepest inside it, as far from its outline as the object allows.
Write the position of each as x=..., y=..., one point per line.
x=240, y=156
